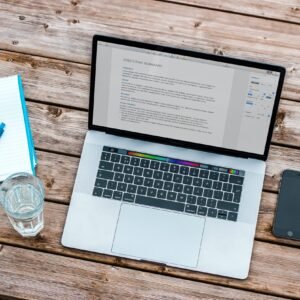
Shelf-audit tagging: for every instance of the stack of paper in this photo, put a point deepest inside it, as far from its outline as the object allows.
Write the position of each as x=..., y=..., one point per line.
x=16, y=145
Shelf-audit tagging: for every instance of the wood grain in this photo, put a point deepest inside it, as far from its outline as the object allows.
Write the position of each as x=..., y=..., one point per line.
x=63, y=30
x=68, y=278
x=288, y=11
x=283, y=282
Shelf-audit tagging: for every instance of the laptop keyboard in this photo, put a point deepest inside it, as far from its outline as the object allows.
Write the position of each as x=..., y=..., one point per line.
x=168, y=183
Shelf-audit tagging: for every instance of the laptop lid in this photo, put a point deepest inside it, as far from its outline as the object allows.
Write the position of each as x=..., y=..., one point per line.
x=183, y=98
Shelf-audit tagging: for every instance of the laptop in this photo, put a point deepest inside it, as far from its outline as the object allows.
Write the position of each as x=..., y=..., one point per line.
x=173, y=163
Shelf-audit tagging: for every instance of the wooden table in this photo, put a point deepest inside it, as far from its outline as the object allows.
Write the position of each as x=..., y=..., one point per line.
x=49, y=43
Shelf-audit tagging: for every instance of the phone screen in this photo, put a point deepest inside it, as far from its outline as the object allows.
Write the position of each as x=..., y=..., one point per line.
x=287, y=219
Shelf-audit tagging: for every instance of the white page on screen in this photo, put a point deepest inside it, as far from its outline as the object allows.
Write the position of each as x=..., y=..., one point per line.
x=14, y=151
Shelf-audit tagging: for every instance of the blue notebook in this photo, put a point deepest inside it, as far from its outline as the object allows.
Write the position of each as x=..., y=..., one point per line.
x=16, y=144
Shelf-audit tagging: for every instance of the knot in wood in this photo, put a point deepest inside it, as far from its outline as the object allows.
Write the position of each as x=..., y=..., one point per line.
x=22, y=18
x=55, y=111
x=280, y=119
x=197, y=24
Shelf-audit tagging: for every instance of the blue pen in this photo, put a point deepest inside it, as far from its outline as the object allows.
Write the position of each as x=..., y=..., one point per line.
x=2, y=126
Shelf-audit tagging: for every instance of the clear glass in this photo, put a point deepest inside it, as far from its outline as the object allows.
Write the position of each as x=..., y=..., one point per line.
x=22, y=198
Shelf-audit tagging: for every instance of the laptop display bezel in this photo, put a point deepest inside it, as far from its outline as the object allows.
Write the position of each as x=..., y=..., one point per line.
x=190, y=53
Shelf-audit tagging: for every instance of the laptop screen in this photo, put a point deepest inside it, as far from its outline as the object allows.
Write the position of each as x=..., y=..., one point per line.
x=183, y=98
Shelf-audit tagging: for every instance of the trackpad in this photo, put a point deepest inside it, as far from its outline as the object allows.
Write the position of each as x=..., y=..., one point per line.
x=158, y=235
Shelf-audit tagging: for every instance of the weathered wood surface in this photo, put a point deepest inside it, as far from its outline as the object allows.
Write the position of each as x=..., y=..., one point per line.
x=288, y=11
x=49, y=43
x=64, y=30
x=22, y=272
x=262, y=278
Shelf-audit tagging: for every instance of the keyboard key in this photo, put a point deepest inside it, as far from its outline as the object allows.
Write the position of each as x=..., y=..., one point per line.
x=161, y=194
x=101, y=183
x=227, y=196
x=211, y=202
x=109, y=149
x=222, y=214
x=237, y=188
x=236, y=179
x=107, y=193
x=174, y=168
x=218, y=195
x=128, y=179
x=128, y=169
x=159, y=203
x=177, y=178
x=187, y=180
x=232, y=216
x=119, y=177
x=228, y=206
x=178, y=187
x=227, y=187
x=128, y=197
x=105, y=156
x=142, y=190
x=97, y=192
x=217, y=185
x=171, y=196
x=213, y=175
x=188, y=189
x=122, y=186
x=207, y=183
x=131, y=188
x=117, y=195
x=197, y=181
x=115, y=158
x=112, y=185
x=224, y=177
x=138, y=171
x=181, y=197
x=202, y=211
x=194, y=172
x=158, y=184
x=237, y=197
x=148, y=182
x=151, y=192
x=118, y=168
x=212, y=212
x=145, y=163
x=192, y=209
x=168, y=186
x=167, y=176
x=201, y=201
x=198, y=191
x=138, y=180
x=157, y=174
x=125, y=159
x=154, y=165
x=105, y=174
x=207, y=193
x=164, y=167
x=184, y=170
x=105, y=165
x=204, y=173
x=135, y=161
x=191, y=199
x=148, y=173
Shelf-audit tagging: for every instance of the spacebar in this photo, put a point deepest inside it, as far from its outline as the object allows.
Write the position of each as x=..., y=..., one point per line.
x=159, y=203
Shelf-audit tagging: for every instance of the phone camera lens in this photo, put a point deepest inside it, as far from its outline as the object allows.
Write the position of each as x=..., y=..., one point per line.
x=290, y=233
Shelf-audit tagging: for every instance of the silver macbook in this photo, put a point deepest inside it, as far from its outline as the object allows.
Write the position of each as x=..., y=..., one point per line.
x=173, y=164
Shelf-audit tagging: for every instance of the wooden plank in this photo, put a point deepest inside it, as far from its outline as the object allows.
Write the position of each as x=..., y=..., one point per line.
x=288, y=11
x=21, y=275
x=262, y=278
x=49, y=80
x=63, y=30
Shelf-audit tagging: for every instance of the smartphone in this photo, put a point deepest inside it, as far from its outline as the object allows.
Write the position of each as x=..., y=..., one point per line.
x=287, y=218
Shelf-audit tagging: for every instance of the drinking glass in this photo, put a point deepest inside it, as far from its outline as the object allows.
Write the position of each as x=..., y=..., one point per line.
x=22, y=198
